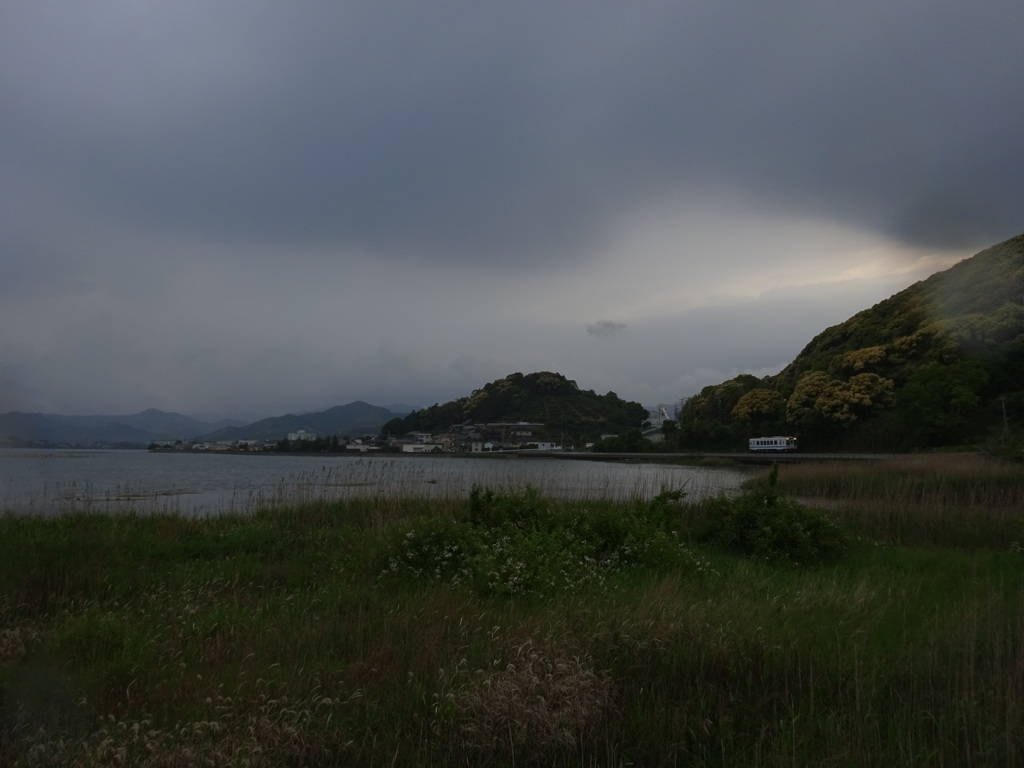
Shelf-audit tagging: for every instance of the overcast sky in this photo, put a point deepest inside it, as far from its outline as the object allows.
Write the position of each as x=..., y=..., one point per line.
x=249, y=208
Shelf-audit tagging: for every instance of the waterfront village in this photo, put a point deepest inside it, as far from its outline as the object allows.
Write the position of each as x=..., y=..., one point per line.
x=459, y=438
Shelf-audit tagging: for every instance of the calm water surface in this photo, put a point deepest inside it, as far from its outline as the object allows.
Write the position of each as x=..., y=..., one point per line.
x=49, y=482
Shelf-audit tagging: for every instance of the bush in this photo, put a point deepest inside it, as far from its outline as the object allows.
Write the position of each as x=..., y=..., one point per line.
x=762, y=524
x=512, y=543
x=432, y=549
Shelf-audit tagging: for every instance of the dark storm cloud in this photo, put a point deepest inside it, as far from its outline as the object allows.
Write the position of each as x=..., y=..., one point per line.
x=489, y=133
x=271, y=206
x=606, y=328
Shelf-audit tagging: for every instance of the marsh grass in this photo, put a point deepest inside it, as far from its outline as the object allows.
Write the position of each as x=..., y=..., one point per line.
x=961, y=500
x=284, y=638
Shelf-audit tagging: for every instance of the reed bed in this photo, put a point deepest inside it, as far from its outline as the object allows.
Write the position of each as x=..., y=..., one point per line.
x=345, y=633
x=446, y=479
x=948, y=500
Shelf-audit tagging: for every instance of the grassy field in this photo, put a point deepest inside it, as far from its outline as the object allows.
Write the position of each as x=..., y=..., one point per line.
x=506, y=629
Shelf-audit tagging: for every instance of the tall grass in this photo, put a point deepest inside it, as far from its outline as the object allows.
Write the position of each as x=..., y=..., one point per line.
x=287, y=638
x=962, y=500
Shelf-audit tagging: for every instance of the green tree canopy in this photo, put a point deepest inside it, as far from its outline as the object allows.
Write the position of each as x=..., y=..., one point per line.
x=758, y=408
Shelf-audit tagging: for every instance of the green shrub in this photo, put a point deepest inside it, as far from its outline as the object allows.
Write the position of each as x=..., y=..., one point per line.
x=492, y=509
x=516, y=543
x=432, y=549
x=764, y=525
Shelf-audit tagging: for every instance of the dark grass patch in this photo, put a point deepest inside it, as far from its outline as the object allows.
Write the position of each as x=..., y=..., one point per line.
x=280, y=640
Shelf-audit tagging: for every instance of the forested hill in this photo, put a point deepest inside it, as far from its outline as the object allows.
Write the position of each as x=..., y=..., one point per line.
x=937, y=364
x=974, y=306
x=566, y=411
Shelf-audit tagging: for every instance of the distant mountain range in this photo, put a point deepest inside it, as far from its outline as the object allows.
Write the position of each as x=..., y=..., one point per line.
x=357, y=418
x=140, y=429
x=130, y=429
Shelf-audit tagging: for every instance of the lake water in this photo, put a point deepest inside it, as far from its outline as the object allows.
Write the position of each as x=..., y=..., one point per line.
x=48, y=482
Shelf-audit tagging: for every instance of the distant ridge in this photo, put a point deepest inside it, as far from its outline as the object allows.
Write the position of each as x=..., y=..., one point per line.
x=141, y=429
x=137, y=429
x=356, y=418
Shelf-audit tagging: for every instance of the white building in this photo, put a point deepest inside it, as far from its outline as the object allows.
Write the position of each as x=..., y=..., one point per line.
x=420, y=448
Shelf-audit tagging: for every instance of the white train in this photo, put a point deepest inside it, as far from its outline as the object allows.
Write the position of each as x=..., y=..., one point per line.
x=773, y=443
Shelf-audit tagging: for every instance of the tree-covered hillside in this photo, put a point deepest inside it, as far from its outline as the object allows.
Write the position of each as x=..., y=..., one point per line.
x=937, y=364
x=568, y=413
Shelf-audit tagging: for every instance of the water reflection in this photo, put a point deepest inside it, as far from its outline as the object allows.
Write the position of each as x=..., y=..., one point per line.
x=55, y=482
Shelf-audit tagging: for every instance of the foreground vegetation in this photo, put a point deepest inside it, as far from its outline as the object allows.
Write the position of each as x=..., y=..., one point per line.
x=506, y=629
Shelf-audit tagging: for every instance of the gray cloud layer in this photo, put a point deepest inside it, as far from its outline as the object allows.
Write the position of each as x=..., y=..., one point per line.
x=462, y=128
x=487, y=141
